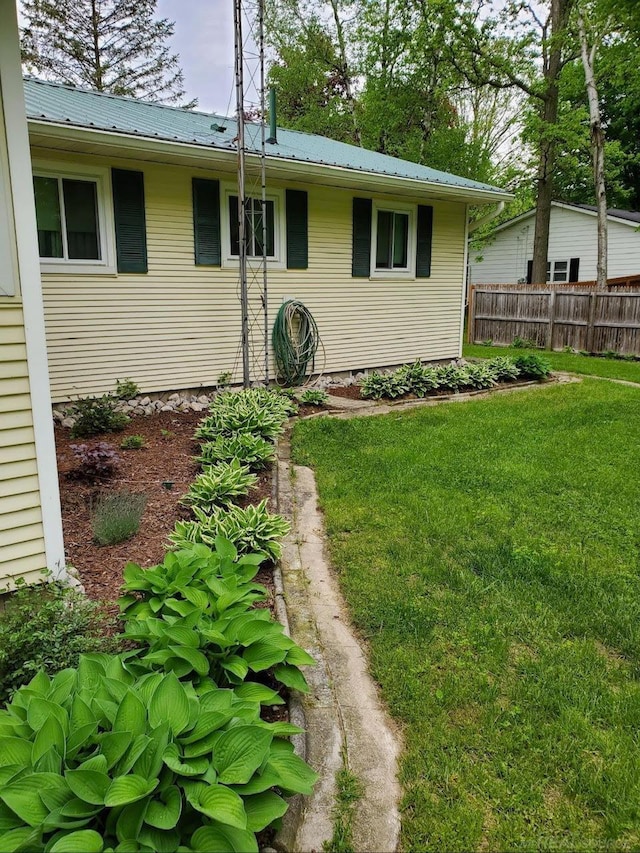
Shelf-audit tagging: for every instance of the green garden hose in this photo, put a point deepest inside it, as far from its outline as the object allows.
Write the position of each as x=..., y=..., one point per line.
x=295, y=341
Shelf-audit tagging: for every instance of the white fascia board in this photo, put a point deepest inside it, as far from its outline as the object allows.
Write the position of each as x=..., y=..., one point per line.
x=304, y=171
x=24, y=213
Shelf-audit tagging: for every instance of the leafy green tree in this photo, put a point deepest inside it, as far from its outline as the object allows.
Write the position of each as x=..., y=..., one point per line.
x=114, y=46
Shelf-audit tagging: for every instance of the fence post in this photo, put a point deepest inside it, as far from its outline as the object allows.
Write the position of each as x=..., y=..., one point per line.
x=471, y=320
x=592, y=315
x=552, y=310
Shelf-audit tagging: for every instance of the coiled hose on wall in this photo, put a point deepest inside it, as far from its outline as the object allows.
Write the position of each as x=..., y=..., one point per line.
x=295, y=341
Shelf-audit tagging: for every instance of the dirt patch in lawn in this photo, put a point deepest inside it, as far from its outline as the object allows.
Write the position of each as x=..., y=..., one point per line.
x=162, y=470
x=352, y=392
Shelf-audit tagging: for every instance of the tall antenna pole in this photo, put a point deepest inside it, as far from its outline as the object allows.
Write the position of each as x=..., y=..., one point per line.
x=263, y=182
x=242, y=236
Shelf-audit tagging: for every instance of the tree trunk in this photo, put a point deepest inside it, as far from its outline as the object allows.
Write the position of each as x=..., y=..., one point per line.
x=552, y=66
x=597, y=148
x=346, y=74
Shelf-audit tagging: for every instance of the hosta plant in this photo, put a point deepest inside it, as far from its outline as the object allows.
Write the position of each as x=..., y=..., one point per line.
x=480, y=375
x=247, y=448
x=314, y=397
x=96, y=759
x=452, y=377
x=504, y=368
x=230, y=649
x=420, y=379
x=266, y=424
x=532, y=366
x=378, y=385
x=252, y=529
x=217, y=579
x=219, y=485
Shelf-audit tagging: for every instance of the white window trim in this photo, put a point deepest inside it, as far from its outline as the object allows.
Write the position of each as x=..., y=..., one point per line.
x=106, y=226
x=278, y=262
x=408, y=272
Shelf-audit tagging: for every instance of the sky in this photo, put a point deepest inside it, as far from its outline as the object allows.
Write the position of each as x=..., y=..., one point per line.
x=203, y=36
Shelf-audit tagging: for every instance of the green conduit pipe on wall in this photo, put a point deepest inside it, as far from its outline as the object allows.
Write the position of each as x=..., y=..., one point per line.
x=295, y=341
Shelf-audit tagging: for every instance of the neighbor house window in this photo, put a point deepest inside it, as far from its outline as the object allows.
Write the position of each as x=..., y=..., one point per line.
x=254, y=227
x=393, y=240
x=560, y=270
x=67, y=218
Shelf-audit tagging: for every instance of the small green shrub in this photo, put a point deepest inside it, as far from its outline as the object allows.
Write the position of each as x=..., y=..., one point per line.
x=532, y=366
x=219, y=485
x=95, y=415
x=132, y=442
x=194, y=615
x=126, y=389
x=480, y=376
x=487, y=343
x=46, y=627
x=97, y=759
x=117, y=516
x=252, y=529
x=314, y=397
x=453, y=376
x=224, y=380
x=523, y=343
x=247, y=448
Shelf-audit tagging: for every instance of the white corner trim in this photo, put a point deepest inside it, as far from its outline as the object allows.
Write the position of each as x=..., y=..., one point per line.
x=19, y=160
x=465, y=283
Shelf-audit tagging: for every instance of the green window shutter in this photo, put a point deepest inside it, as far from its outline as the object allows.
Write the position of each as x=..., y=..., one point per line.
x=206, y=222
x=424, y=241
x=128, y=210
x=361, y=258
x=297, y=230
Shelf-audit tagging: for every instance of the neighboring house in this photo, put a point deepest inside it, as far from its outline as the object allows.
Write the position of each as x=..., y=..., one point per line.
x=138, y=244
x=30, y=521
x=573, y=243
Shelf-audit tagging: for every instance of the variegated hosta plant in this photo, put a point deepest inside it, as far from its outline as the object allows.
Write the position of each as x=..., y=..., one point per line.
x=251, y=529
x=219, y=485
x=247, y=448
x=97, y=760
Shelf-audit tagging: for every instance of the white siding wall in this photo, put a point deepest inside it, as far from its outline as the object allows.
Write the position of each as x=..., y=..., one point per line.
x=573, y=235
x=178, y=325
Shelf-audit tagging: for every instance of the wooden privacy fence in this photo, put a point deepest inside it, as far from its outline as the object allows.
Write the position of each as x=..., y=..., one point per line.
x=557, y=316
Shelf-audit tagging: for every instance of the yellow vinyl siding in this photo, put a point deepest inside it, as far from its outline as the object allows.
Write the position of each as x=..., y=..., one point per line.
x=178, y=326
x=21, y=534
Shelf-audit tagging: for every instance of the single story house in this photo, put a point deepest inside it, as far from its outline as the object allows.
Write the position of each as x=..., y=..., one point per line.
x=573, y=244
x=138, y=244
x=120, y=259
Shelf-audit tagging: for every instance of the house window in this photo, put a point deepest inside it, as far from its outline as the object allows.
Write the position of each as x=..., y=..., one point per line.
x=74, y=216
x=393, y=240
x=560, y=270
x=67, y=218
x=254, y=227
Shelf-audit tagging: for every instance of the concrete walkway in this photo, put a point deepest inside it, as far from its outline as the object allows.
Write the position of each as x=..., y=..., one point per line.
x=344, y=718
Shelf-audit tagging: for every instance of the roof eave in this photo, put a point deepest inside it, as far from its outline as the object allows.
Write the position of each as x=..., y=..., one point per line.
x=342, y=176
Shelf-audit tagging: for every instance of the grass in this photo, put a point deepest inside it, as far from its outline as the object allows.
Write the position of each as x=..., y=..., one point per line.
x=349, y=790
x=490, y=553
x=116, y=517
x=610, y=368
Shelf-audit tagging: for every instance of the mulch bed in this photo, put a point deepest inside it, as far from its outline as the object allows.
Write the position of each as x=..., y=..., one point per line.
x=167, y=456
x=352, y=392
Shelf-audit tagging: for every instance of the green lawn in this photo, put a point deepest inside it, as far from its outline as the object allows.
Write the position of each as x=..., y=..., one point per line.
x=490, y=554
x=611, y=368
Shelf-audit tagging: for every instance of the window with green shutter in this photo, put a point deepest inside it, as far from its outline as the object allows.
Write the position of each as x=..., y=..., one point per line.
x=130, y=220
x=206, y=222
x=424, y=241
x=361, y=251
x=297, y=230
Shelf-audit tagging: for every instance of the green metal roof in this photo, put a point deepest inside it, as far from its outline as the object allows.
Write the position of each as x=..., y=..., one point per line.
x=61, y=104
